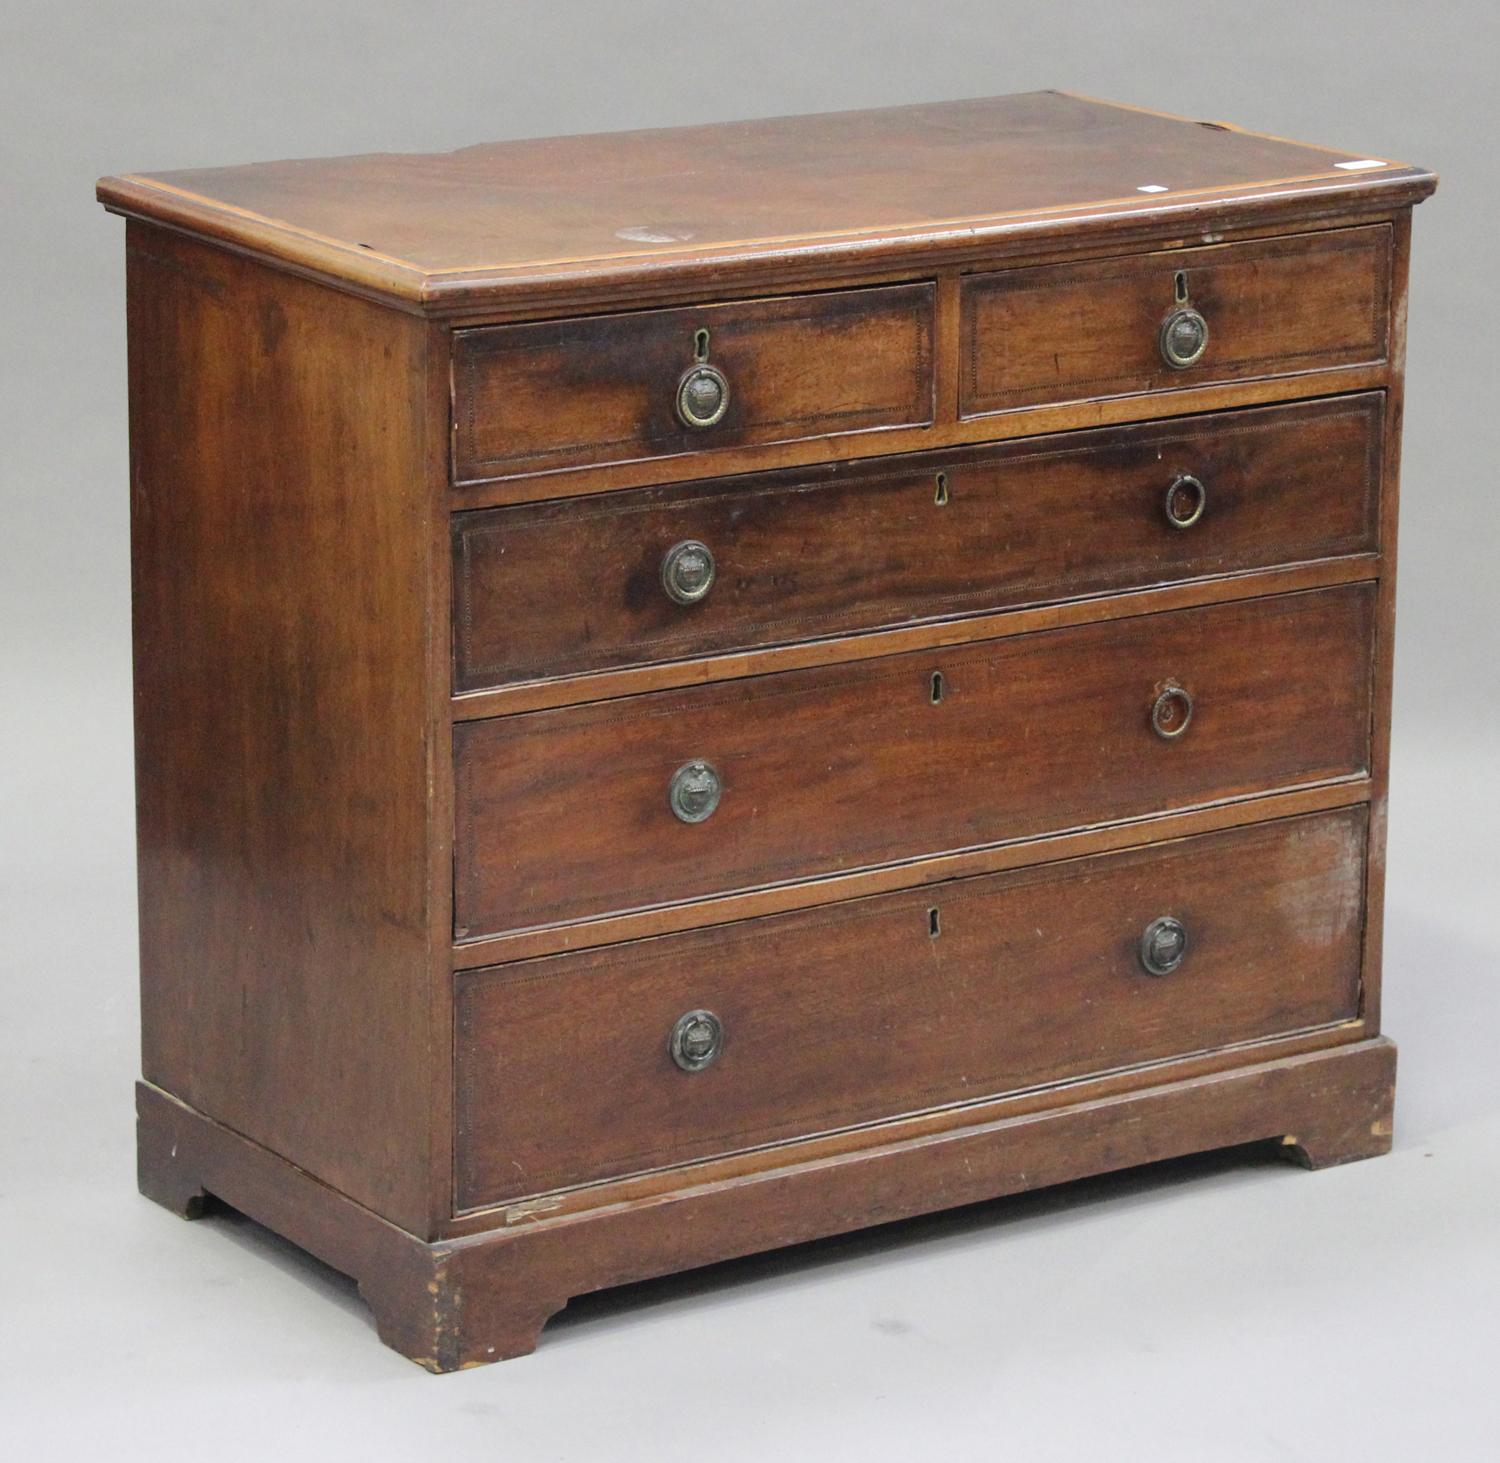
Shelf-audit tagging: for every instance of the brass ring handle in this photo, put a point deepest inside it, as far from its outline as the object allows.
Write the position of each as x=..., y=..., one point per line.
x=697, y=1039
x=1171, y=713
x=1183, y=338
x=1163, y=945
x=702, y=396
x=1186, y=500
x=687, y=572
x=694, y=791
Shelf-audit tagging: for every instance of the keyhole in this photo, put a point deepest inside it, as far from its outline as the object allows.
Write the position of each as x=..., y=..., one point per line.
x=1182, y=293
x=937, y=687
x=941, y=496
x=700, y=343
x=934, y=929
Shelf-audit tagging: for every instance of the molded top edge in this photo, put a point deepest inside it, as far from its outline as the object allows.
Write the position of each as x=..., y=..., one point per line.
x=446, y=231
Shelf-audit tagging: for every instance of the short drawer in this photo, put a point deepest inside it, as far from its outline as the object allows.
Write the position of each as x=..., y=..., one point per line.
x=569, y=813
x=617, y=388
x=1068, y=332
x=832, y=1017
x=558, y=588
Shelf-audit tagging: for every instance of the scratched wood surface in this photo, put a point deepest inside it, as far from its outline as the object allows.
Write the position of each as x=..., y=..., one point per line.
x=421, y=225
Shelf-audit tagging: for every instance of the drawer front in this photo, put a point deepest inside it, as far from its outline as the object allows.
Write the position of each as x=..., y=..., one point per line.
x=1066, y=332
x=559, y=588
x=566, y=393
x=565, y=814
x=851, y=1013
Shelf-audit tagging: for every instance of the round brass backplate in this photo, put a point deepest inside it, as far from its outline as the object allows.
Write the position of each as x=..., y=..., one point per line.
x=702, y=396
x=687, y=572
x=697, y=1040
x=1163, y=945
x=1183, y=338
x=1171, y=713
x=694, y=791
x=1186, y=500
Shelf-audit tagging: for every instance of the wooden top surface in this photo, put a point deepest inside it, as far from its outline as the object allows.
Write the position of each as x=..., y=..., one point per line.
x=461, y=225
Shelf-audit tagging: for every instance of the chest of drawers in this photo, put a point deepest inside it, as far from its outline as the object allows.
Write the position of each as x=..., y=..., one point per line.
x=706, y=688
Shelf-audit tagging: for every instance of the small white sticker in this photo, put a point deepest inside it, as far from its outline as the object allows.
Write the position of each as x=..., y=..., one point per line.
x=1362, y=164
x=1152, y=188
x=651, y=236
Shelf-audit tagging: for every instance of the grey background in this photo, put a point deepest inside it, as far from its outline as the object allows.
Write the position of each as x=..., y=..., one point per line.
x=1219, y=1309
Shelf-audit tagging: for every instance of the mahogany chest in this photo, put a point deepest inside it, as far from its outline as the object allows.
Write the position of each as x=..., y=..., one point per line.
x=698, y=689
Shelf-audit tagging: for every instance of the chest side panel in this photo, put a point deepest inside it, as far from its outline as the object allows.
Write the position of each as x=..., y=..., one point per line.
x=280, y=513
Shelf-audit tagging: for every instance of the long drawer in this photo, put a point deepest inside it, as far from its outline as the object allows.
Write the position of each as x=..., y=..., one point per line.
x=580, y=811
x=558, y=588
x=652, y=383
x=587, y=1066
x=1274, y=307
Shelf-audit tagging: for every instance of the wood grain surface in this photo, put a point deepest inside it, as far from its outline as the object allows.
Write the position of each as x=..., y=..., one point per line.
x=417, y=917
x=469, y=1301
x=1385, y=630
x=556, y=589
x=862, y=1011
x=528, y=398
x=1072, y=331
x=281, y=570
x=459, y=230
x=564, y=814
